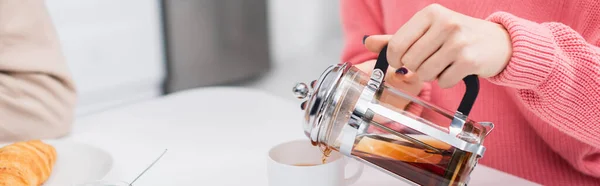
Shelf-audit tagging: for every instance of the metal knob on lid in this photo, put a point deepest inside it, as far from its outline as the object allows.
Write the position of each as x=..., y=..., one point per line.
x=301, y=90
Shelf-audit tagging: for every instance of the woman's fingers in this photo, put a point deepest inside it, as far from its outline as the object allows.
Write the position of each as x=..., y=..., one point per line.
x=375, y=43
x=436, y=63
x=429, y=70
x=425, y=47
x=463, y=60
x=452, y=75
x=405, y=37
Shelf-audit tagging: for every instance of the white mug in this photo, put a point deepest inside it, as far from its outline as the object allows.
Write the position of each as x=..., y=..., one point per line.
x=283, y=169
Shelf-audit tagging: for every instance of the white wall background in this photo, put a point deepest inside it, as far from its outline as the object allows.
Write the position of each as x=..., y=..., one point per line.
x=303, y=27
x=305, y=38
x=115, y=52
x=113, y=47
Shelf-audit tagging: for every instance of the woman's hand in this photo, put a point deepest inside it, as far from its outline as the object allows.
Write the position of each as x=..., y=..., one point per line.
x=438, y=43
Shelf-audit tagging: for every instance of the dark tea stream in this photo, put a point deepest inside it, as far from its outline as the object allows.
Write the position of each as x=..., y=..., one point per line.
x=326, y=153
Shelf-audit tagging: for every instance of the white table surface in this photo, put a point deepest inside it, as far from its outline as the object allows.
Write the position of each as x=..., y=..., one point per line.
x=214, y=136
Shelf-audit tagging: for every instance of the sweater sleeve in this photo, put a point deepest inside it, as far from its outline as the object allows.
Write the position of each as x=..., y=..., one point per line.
x=359, y=18
x=555, y=74
x=37, y=96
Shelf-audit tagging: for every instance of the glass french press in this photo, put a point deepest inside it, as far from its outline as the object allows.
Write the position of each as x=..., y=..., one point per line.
x=360, y=116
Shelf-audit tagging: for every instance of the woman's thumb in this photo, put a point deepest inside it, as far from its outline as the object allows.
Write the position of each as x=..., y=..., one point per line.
x=375, y=43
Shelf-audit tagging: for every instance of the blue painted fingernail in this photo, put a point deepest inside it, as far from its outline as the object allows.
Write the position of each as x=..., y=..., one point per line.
x=365, y=38
x=402, y=71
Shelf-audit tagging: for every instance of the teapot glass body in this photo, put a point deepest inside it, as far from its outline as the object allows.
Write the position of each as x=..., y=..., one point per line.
x=363, y=117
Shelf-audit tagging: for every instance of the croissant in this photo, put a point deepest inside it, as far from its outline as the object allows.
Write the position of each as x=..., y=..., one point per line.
x=26, y=163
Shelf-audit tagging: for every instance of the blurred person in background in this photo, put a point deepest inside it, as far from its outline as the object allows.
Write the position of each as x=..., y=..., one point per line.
x=37, y=95
x=538, y=61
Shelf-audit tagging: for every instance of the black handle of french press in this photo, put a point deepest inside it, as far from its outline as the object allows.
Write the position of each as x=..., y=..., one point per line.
x=382, y=62
x=471, y=92
x=471, y=83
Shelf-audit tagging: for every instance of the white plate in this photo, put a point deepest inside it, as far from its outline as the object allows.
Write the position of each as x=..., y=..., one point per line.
x=77, y=163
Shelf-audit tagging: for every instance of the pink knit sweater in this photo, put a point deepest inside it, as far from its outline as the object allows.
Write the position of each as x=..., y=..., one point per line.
x=545, y=104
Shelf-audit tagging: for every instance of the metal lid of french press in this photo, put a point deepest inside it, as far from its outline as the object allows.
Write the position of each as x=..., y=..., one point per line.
x=317, y=95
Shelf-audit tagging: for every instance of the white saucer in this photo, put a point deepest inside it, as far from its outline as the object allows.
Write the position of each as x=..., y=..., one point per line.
x=77, y=163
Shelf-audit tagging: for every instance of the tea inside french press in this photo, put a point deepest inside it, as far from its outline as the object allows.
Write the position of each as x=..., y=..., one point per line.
x=349, y=111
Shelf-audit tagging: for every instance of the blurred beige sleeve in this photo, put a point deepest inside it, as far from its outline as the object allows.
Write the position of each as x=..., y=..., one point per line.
x=37, y=95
